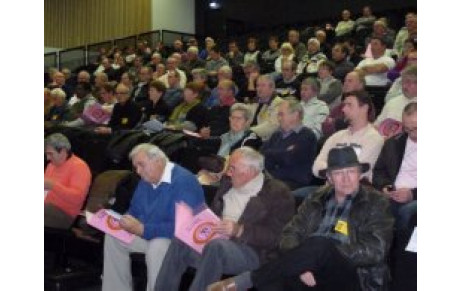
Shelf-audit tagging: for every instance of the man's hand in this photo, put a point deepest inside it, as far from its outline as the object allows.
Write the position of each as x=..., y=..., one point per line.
x=402, y=195
x=229, y=228
x=48, y=184
x=308, y=279
x=205, y=132
x=132, y=225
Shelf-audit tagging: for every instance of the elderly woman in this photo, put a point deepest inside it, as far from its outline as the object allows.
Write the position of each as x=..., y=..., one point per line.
x=309, y=63
x=287, y=53
x=238, y=136
x=331, y=88
x=59, y=111
x=190, y=114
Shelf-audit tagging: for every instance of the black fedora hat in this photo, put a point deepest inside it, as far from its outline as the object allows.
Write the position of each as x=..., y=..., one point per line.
x=343, y=157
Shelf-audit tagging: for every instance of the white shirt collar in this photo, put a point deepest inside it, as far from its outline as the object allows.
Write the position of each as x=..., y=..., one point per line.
x=167, y=175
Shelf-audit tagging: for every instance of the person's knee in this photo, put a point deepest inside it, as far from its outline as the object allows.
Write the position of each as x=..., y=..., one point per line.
x=157, y=248
x=216, y=246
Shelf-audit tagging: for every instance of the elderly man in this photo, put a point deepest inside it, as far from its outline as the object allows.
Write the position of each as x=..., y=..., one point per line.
x=294, y=40
x=151, y=216
x=315, y=111
x=395, y=172
x=84, y=101
x=291, y=150
x=67, y=180
x=140, y=92
x=338, y=240
x=393, y=109
x=342, y=65
x=360, y=134
x=193, y=61
x=224, y=73
x=254, y=209
x=265, y=121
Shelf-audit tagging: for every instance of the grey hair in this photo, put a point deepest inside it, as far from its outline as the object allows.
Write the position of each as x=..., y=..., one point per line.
x=102, y=75
x=58, y=92
x=247, y=112
x=294, y=106
x=200, y=71
x=152, y=151
x=58, y=141
x=252, y=158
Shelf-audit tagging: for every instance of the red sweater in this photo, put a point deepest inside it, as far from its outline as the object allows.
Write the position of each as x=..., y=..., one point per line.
x=71, y=184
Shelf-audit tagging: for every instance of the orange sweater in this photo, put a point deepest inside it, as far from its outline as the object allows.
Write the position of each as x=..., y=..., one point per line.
x=71, y=184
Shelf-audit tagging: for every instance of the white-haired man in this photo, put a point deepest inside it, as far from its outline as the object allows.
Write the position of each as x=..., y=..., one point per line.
x=151, y=216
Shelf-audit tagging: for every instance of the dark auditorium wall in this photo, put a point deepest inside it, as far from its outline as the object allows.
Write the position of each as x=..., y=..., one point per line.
x=71, y=23
x=270, y=13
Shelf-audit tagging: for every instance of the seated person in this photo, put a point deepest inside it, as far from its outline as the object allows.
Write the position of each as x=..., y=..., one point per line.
x=291, y=150
x=67, y=181
x=59, y=111
x=218, y=115
x=200, y=76
x=190, y=114
x=395, y=172
x=108, y=97
x=150, y=217
x=315, y=111
x=84, y=100
x=238, y=136
x=289, y=84
x=253, y=207
x=223, y=73
x=331, y=88
x=126, y=114
x=287, y=54
x=48, y=101
x=396, y=88
x=308, y=65
x=156, y=108
x=393, y=109
x=338, y=240
x=174, y=93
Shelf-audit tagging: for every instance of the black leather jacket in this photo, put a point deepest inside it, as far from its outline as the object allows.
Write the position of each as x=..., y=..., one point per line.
x=370, y=230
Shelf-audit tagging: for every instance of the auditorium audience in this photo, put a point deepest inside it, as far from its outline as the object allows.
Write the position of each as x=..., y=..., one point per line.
x=299, y=48
x=331, y=88
x=340, y=59
x=407, y=32
x=48, y=101
x=270, y=56
x=396, y=88
x=345, y=26
x=287, y=54
x=59, y=110
x=234, y=56
x=174, y=94
x=215, y=61
x=156, y=108
x=253, y=53
x=108, y=97
x=140, y=93
x=193, y=61
x=84, y=100
x=223, y=73
x=172, y=65
x=308, y=65
x=209, y=43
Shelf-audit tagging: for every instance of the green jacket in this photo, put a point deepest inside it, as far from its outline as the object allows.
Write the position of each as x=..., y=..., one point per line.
x=370, y=228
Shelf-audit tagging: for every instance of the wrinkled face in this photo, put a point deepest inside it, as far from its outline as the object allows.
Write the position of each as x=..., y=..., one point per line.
x=238, y=171
x=238, y=122
x=307, y=92
x=287, y=119
x=264, y=89
x=312, y=47
x=352, y=83
x=410, y=125
x=54, y=157
x=189, y=95
x=377, y=48
x=409, y=86
x=150, y=170
x=352, y=110
x=345, y=180
x=83, y=78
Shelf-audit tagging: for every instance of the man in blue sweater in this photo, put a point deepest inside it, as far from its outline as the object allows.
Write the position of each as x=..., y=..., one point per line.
x=291, y=150
x=151, y=216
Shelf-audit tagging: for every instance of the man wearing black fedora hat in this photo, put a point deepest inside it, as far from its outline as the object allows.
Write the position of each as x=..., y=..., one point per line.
x=338, y=240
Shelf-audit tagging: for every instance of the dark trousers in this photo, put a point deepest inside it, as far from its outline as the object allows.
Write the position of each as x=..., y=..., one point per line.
x=318, y=255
